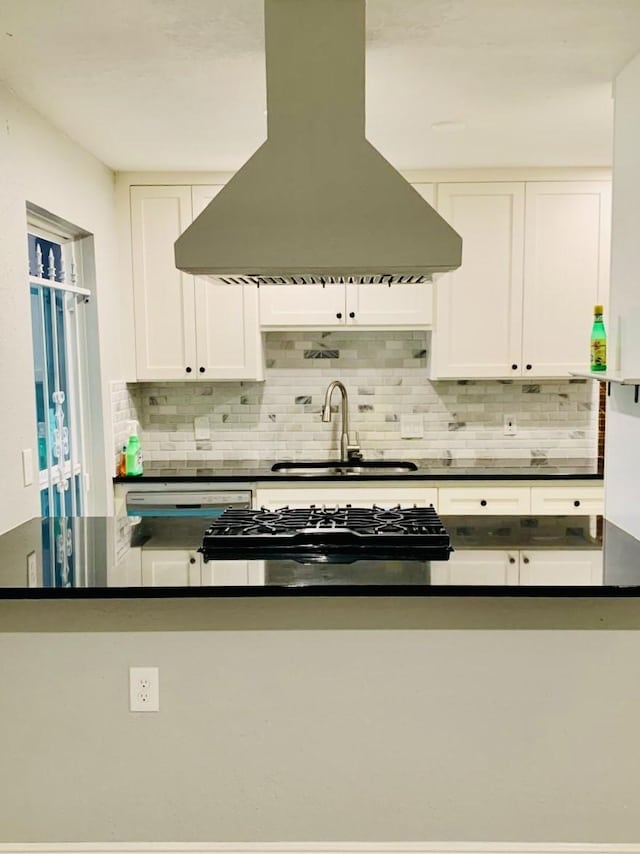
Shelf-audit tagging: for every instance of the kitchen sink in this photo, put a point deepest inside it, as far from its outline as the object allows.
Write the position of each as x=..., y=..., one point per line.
x=347, y=467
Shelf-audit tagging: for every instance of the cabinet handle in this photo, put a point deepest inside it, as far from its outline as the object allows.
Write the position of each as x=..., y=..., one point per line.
x=188, y=370
x=201, y=369
x=514, y=367
x=352, y=314
x=483, y=503
x=528, y=367
x=576, y=503
x=192, y=560
x=525, y=560
x=512, y=559
x=339, y=315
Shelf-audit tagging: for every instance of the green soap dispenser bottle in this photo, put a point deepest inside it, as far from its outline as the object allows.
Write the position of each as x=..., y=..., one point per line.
x=134, y=451
x=598, y=341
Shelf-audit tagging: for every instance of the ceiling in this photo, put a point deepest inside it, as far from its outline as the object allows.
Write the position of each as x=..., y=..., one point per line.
x=179, y=84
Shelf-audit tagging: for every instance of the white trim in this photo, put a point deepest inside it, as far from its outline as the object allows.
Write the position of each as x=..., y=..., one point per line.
x=418, y=176
x=323, y=848
x=58, y=286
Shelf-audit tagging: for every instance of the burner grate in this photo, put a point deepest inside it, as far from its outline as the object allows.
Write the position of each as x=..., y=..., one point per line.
x=379, y=532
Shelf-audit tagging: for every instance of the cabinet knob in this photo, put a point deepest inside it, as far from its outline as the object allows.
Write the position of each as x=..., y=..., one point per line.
x=192, y=560
x=525, y=560
x=188, y=370
x=339, y=315
x=512, y=559
x=483, y=503
x=201, y=369
x=352, y=314
x=514, y=367
x=528, y=367
x=576, y=503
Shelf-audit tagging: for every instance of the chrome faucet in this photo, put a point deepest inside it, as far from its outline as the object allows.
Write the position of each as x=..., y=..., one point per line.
x=349, y=447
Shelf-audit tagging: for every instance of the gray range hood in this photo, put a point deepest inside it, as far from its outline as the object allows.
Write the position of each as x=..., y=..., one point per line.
x=317, y=202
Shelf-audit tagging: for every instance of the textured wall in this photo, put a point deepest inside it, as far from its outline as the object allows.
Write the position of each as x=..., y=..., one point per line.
x=386, y=376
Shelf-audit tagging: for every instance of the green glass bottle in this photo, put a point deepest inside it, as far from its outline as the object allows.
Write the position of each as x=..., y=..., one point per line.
x=598, y=341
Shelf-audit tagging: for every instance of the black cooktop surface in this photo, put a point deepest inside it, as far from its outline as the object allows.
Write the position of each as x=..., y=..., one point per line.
x=341, y=533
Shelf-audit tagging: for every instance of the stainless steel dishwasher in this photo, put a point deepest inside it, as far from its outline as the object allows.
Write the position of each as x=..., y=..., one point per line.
x=186, y=503
x=170, y=524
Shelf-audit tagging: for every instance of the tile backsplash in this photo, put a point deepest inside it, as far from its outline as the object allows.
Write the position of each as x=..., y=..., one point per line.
x=386, y=377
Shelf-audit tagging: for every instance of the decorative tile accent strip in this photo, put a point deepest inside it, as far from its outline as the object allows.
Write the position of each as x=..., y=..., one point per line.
x=463, y=419
x=322, y=354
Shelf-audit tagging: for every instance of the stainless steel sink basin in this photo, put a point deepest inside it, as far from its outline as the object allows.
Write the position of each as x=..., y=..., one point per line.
x=337, y=467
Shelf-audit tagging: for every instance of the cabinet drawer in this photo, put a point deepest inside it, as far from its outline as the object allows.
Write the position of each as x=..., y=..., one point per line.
x=567, y=500
x=331, y=496
x=497, y=501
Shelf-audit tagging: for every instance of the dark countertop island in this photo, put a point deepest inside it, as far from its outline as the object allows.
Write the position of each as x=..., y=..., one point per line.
x=498, y=556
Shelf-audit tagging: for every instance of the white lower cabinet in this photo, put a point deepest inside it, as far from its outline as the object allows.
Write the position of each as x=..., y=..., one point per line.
x=186, y=568
x=483, y=500
x=561, y=567
x=531, y=567
x=171, y=567
x=331, y=496
x=477, y=566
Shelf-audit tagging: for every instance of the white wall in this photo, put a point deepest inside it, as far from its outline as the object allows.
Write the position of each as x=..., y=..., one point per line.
x=40, y=165
x=321, y=720
x=622, y=462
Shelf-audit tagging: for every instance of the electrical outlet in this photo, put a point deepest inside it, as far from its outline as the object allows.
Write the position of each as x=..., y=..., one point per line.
x=144, y=689
x=411, y=426
x=201, y=427
x=510, y=428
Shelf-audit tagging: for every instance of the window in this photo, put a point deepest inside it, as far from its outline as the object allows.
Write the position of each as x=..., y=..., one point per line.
x=58, y=318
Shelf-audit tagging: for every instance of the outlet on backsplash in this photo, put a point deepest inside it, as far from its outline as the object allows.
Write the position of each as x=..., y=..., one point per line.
x=201, y=427
x=411, y=426
x=510, y=428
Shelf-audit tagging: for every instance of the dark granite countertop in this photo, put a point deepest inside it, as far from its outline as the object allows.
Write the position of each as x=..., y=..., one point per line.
x=535, y=468
x=83, y=558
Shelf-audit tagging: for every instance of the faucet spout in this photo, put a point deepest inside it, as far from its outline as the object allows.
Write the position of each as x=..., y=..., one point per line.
x=349, y=447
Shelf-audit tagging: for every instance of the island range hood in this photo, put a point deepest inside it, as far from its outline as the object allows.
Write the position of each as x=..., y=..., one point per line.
x=317, y=202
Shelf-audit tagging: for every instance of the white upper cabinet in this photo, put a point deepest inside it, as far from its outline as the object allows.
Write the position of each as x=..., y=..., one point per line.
x=330, y=306
x=164, y=298
x=566, y=271
x=535, y=259
x=186, y=327
x=478, y=307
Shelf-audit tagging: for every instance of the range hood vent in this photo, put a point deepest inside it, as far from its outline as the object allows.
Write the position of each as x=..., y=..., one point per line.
x=317, y=203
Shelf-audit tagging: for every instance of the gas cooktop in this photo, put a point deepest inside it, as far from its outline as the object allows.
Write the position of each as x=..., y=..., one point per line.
x=328, y=534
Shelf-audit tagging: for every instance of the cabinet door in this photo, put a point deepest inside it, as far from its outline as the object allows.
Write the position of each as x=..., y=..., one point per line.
x=170, y=568
x=163, y=296
x=566, y=271
x=301, y=306
x=233, y=573
x=477, y=566
x=390, y=305
x=567, y=500
x=478, y=308
x=229, y=344
x=485, y=501
x=558, y=568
